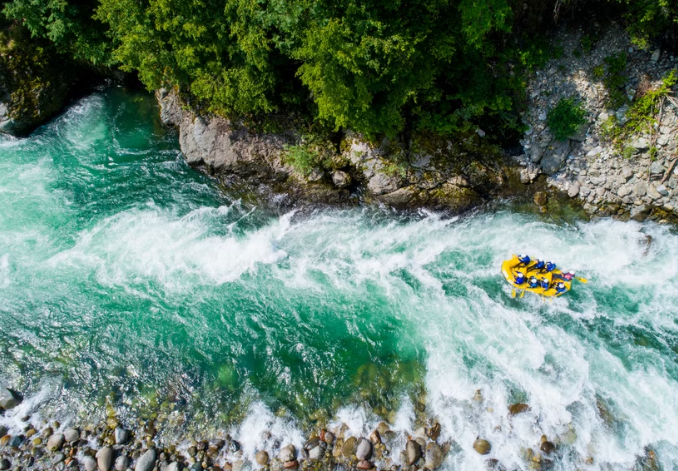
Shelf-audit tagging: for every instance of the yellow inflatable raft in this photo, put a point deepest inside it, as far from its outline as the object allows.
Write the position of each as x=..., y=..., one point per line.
x=555, y=281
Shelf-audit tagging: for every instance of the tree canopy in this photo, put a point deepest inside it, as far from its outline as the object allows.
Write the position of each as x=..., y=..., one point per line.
x=375, y=66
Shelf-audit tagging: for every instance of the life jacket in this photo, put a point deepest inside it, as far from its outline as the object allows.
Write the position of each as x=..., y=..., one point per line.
x=533, y=282
x=550, y=266
x=560, y=287
x=524, y=259
x=520, y=278
x=539, y=265
x=544, y=283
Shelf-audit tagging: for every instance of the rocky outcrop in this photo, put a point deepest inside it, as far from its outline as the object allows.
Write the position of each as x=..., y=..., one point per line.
x=434, y=173
x=631, y=177
x=34, y=84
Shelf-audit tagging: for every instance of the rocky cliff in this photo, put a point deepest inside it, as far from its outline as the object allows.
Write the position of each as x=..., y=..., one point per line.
x=443, y=175
x=623, y=161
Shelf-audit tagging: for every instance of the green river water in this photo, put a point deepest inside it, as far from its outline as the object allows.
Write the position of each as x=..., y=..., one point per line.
x=130, y=281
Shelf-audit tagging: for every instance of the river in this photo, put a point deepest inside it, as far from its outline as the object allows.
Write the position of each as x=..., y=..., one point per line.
x=129, y=281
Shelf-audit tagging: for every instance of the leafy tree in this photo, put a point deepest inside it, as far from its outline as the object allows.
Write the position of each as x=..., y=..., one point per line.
x=68, y=24
x=380, y=67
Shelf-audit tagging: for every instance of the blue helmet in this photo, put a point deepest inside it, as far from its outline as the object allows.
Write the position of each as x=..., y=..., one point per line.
x=550, y=266
x=524, y=258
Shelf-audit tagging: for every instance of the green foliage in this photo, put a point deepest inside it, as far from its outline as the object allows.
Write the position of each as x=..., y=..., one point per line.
x=67, y=24
x=587, y=43
x=641, y=117
x=628, y=152
x=302, y=158
x=646, y=19
x=615, y=81
x=377, y=67
x=599, y=72
x=32, y=75
x=566, y=118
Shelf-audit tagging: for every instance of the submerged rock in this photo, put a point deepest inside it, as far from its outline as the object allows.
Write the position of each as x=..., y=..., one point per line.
x=519, y=408
x=121, y=436
x=329, y=438
x=482, y=446
x=55, y=442
x=349, y=447
x=146, y=462
x=546, y=446
x=316, y=454
x=9, y=399
x=105, y=458
x=15, y=441
x=287, y=453
x=412, y=452
x=434, y=455
x=364, y=450
x=261, y=458
x=71, y=435
x=434, y=432
x=122, y=462
x=89, y=463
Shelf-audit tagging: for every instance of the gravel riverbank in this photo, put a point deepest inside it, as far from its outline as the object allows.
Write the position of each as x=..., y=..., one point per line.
x=108, y=444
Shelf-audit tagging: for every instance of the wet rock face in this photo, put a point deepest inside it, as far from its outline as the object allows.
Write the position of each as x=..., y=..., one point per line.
x=34, y=86
x=442, y=175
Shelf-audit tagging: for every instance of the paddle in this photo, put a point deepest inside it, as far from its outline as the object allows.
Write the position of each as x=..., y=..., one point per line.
x=522, y=293
x=513, y=293
x=582, y=280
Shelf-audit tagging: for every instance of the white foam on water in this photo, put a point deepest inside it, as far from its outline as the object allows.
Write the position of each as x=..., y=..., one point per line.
x=262, y=430
x=480, y=342
x=606, y=346
x=30, y=406
x=155, y=244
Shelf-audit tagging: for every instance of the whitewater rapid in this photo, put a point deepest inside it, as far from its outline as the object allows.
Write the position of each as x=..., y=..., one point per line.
x=127, y=278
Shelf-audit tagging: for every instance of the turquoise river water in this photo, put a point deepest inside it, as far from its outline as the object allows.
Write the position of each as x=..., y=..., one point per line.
x=130, y=281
